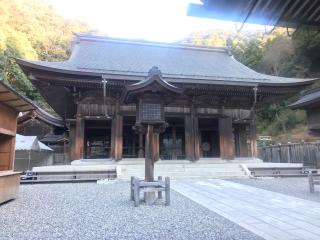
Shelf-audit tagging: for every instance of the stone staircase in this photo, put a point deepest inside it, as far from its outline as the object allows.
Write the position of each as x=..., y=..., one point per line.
x=179, y=169
x=92, y=169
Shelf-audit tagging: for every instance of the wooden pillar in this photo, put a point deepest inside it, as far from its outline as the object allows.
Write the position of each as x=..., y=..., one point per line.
x=191, y=126
x=196, y=138
x=141, y=152
x=155, y=142
x=117, y=134
x=174, y=143
x=72, y=138
x=226, y=138
x=79, y=138
x=12, y=152
x=189, y=146
x=240, y=137
x=149, y=163
x=116, y=137
x=253, y=139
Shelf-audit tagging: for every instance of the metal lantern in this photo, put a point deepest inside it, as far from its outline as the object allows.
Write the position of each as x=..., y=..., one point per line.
x=150, y=110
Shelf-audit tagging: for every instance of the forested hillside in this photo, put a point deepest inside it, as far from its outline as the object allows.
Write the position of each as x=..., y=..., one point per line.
x=33, y=30
x=280, y=54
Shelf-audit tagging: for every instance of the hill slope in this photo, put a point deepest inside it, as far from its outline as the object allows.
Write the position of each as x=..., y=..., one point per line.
x=33, y=30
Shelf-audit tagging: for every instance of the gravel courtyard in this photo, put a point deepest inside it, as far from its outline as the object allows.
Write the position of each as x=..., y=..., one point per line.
x=297, y=187
x=92, y=211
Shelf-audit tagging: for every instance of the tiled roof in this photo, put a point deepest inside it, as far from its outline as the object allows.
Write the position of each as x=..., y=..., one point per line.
x=43, y=116
x=308, y=98
x=100, y=55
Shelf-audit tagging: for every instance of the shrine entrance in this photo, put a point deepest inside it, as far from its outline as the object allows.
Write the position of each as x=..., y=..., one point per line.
x=131, y=142
x=209, y=137
x=97, y=139
x=172, y=140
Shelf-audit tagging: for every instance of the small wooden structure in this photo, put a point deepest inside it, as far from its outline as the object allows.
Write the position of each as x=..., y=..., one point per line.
x=138, y=186
x=11, y=103
x=150, y=96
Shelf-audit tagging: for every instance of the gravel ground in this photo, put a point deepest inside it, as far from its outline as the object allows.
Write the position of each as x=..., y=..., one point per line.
x=297, y=187
x=92, y=211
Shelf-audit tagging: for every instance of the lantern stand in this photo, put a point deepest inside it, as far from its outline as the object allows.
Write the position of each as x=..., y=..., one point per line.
x=150, y=96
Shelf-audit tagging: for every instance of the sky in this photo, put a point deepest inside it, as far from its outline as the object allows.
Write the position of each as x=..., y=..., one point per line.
x=155, y=20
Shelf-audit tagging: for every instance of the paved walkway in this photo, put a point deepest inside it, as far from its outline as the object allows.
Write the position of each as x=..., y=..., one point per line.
x=268, y=214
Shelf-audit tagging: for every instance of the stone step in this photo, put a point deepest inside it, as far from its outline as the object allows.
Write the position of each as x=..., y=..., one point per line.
x=129, y=161
x=126, y=173
x=181, y=176
x=173, y=169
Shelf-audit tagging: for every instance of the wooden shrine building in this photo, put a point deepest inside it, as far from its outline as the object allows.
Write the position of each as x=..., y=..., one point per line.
x=39, y=123
x=211, y=116
x=50, y=130
x=310, y=102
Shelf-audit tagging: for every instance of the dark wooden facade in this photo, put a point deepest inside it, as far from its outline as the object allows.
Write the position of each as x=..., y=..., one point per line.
x=213, y=116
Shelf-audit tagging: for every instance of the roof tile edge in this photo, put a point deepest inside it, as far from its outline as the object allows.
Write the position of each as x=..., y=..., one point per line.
x=97, y=38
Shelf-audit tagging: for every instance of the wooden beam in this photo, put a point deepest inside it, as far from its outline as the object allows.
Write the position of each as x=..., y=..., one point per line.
x=10, y=100
x=7, y=132
x=226, y=138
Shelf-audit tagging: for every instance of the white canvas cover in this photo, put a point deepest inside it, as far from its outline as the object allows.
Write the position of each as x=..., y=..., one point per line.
x=29, y=143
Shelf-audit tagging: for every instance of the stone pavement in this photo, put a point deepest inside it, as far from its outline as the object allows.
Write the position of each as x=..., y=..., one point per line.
x=271, y=215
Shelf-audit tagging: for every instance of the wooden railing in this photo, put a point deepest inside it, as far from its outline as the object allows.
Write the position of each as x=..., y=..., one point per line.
x=307, y=153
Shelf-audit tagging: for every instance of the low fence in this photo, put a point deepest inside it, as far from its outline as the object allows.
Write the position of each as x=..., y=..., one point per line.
x=307, y=153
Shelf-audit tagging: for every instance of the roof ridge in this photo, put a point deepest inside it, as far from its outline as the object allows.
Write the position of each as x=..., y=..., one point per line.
x=97, y=38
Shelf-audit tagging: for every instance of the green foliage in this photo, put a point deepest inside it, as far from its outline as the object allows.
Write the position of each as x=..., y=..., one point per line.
x=248, y=51
x=32, y=30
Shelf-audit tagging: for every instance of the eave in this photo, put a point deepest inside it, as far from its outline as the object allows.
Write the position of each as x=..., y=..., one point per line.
x=42, y=116
x=96, y=77
x=309, y=99
x=14, y=100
